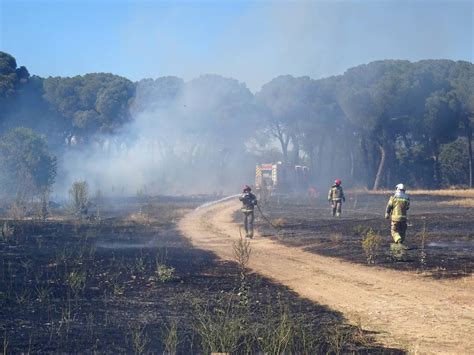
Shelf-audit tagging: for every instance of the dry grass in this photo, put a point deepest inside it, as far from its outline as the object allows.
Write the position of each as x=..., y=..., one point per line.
x=465, y=193
x=336, y=237
x=462, y=202
x=279, y=222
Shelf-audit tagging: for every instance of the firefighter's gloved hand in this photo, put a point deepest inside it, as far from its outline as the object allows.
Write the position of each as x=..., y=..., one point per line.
x=255, y=202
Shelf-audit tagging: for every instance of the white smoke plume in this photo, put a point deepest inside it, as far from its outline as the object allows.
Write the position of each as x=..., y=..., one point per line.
x=184, y=138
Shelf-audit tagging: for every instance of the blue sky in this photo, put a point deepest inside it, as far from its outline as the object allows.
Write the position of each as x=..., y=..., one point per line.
x=250, y=41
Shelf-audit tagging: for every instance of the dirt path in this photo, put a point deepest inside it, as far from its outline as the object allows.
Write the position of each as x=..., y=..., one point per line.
x=407, y=310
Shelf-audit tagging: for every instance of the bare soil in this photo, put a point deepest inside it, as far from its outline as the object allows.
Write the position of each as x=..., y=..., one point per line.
x=406, y=309
x=73, y=287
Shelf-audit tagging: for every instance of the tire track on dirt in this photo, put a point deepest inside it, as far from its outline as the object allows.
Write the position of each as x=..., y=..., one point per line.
x=406, y=309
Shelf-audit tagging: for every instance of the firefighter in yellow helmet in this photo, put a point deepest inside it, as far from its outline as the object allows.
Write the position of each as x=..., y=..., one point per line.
x=396, y=210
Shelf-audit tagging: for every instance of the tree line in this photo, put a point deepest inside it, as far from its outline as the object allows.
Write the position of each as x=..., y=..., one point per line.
x=375, y=125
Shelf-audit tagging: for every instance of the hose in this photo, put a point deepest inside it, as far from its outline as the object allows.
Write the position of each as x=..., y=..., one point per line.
x=266, y=219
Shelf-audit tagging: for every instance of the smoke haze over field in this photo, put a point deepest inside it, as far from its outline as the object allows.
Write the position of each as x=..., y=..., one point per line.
x=184, y=138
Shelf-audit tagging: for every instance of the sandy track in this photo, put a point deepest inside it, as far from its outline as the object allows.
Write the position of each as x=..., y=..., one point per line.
x=406, y=309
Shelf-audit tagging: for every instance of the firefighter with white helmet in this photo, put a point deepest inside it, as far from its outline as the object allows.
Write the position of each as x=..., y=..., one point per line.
x=396, y=211
x=336, y=197
x=249, y=201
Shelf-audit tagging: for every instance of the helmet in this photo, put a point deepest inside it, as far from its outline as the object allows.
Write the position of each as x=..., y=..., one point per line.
x=400, y=187
x=337, y=182
x=247, y=188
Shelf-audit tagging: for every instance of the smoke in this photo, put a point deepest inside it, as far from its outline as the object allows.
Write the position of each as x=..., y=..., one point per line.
x=184, y=138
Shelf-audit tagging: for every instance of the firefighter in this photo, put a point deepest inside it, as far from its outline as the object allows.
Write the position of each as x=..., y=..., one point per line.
x=249, y=201
x=396, y=210
x=336, y=197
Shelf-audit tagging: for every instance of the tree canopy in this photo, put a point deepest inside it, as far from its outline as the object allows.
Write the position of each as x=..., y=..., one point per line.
x=375, y=125
x=27, y=168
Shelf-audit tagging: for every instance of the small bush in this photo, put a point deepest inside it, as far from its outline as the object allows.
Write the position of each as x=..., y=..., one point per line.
x=165, y=273
x=79, y=194
x=76, y=280
x=360, y=230
x=371, y=244
x=7, y=231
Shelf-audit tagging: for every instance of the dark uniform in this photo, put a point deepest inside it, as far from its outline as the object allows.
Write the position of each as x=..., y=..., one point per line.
x=336, y=196
x=248, y=204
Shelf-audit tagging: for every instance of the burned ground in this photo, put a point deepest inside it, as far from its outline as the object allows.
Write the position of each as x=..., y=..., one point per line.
x=133, y=284
x=440, y=234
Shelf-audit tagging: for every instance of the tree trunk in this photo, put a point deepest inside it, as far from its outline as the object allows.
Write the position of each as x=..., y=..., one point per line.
x=319, y=165
x=311, y=164
x=352, y=164
x=381, y=168
x=296, y=151
x=365, y=161
x=436, y=170
x=284, y=147
x=467, y=126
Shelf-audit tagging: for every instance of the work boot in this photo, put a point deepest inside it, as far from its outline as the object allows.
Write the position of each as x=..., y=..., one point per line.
x=338, y=214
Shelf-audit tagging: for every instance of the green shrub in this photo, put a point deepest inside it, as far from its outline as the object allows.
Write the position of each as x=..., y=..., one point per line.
x=371, y=243
x=165, y=273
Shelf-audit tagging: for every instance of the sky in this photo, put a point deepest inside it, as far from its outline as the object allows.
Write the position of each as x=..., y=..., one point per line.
x=252, y=41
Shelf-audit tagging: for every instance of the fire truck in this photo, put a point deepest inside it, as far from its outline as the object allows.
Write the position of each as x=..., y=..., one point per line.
x=281, y=178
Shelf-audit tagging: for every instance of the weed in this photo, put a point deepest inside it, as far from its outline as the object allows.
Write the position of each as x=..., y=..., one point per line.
x=423, y=256
x=140, y=265
x=79, y=195
x=359, y=336
x=26, y=264
x=371, y=244
x=277, y=337
x=62, y=256
x=242, y=252
x=76, y=280
x=7, y=232
x=98, y=203
x=23, y=297
x=165, y=273
x=43, y=294
x=90, y=323
x=360, y=230
x=219, y=327
x=42, y=210
x=162, y=256
x=336, y=238
x=337, y=337
x=19, y=209
x=140, y=340
x=170, y=339
x=67, y=318
x=5, y=343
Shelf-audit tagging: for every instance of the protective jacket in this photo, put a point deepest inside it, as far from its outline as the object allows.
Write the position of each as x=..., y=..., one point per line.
x=336, y=193
x=249, y=201
x=398, y=206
